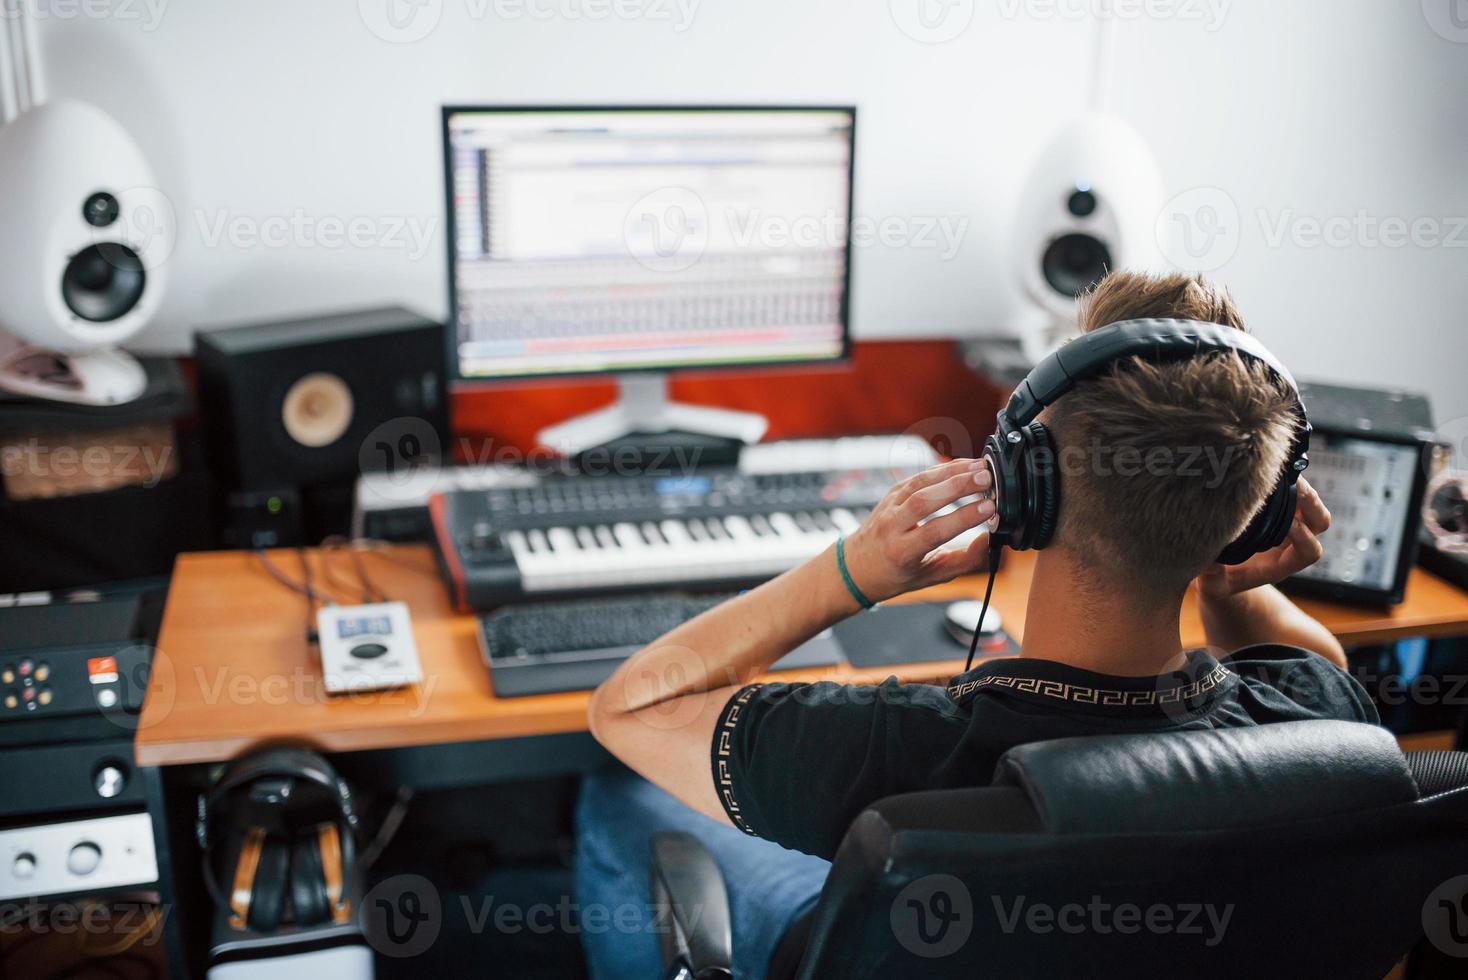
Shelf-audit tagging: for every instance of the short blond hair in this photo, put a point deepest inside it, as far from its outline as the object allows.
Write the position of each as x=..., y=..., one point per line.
x=1203, y=440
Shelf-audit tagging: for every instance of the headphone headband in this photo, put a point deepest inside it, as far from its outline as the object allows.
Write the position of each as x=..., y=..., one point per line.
x=1156, y=340
x=292, y=762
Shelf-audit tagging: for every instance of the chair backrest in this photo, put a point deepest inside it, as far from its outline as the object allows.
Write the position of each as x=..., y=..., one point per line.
x=1301, y=849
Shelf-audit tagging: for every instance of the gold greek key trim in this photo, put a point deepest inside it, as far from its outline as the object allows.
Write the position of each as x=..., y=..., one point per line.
x=1106, y=697
x=723, y=780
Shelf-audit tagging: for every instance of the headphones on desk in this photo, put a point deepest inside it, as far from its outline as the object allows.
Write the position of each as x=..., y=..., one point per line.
x=1021, y=453
x=285, y=823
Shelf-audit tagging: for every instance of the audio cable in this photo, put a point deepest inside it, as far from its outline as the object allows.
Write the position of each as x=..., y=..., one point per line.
x=305, y=587
x=995, y=547
x=366, y=588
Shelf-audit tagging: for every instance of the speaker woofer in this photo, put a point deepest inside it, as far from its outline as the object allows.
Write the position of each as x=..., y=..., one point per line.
x=317, y=409
x=103, y=282
x=1075, y=262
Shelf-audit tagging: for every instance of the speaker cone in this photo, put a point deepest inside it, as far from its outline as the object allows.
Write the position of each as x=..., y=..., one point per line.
x=103, y=282
x=1075, y=262
x=317, y=409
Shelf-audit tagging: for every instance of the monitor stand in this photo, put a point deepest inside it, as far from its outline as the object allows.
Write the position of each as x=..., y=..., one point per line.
x=643, y=406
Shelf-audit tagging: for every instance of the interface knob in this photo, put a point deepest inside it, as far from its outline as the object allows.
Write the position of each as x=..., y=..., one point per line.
x=84, y=858
x=109, y=781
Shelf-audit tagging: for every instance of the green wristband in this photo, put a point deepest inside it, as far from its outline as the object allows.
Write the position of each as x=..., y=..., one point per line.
x=856, y=594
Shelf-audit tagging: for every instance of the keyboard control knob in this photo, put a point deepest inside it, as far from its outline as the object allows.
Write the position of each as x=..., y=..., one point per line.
x=84, y=858
x=24, y=865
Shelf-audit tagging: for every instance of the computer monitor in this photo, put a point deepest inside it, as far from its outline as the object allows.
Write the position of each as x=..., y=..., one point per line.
x=637, y=241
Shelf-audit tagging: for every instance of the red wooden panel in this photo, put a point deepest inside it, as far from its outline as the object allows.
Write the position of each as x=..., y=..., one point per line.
x=888, y=386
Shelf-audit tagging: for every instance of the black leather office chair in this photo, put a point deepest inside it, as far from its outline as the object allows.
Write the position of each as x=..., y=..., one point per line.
x=1321, y=849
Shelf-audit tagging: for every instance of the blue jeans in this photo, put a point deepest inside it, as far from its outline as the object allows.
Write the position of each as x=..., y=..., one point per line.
x=769, y=887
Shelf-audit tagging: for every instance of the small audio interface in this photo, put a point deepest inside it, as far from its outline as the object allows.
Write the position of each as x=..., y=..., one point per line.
x=365, y=648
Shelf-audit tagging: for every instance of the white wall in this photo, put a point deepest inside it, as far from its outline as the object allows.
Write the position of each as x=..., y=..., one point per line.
x=273, y=111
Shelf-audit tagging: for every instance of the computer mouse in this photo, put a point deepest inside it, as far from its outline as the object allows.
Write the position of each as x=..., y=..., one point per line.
x=959, y=619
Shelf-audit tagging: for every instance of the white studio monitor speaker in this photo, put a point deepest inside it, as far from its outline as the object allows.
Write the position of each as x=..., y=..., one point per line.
x=1089, y=206
x=84, y=235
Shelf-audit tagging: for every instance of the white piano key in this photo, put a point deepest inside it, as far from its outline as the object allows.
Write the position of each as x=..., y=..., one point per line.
x=628, y=537
x=668, y=553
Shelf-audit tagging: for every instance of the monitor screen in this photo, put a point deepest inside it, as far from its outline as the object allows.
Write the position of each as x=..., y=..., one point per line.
x=1368, y=487
x=600, y=240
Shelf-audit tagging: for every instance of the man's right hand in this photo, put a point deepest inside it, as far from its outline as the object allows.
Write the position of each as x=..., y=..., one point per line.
x=901, y=545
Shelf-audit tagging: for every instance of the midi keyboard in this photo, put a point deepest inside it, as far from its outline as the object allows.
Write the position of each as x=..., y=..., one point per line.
x=716, y=528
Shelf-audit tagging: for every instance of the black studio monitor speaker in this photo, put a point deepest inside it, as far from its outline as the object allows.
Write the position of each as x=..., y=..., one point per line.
x=300, y=408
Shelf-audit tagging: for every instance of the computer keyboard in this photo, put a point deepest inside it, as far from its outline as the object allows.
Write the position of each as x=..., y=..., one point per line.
x=521, y=633
x=715, y=528
x=567, y=646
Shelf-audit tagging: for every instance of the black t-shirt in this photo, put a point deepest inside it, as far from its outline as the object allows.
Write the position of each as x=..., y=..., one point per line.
x=796, y=763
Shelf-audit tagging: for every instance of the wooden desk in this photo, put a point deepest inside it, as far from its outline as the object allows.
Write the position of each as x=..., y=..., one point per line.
x=233, y=671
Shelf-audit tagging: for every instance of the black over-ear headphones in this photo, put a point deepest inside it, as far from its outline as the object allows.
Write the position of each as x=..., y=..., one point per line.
x=1023, y=456
x=285, y=824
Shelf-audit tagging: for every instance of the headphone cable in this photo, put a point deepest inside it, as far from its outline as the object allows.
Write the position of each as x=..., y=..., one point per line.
x=366, y=588
x=994, y=548
x=305, y=587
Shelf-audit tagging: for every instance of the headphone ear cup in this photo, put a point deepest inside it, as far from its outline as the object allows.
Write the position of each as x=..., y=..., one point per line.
x=1044, y=475
x=267, y=893
x=1268, y=528
x=308, y=881
x=1007, y=505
